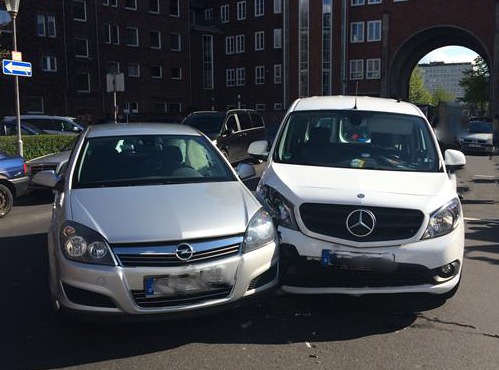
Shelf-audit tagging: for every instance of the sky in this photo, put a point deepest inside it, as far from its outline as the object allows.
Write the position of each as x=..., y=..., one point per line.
x=450, y=54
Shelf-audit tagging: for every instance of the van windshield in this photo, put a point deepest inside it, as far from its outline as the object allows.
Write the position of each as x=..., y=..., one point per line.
x=356, y=139
x=209, y=123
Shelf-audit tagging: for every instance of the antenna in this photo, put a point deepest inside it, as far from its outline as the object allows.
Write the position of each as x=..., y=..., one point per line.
x=356, y=94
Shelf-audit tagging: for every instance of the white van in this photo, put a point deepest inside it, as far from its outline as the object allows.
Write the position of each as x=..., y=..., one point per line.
x=364, y=200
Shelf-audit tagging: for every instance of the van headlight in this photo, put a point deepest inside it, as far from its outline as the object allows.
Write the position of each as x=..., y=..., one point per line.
x=279, y=207
x=443, y=220
x=260, y=231
x=82, y=244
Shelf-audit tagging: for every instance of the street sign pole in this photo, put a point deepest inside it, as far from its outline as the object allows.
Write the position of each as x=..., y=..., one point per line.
x=18, y=104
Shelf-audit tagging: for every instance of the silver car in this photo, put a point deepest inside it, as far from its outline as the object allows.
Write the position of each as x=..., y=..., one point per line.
x=151, y=219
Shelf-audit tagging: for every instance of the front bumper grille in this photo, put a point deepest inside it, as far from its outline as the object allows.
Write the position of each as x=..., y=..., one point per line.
x=164, y=255
x=331, y=220
x=178, y=300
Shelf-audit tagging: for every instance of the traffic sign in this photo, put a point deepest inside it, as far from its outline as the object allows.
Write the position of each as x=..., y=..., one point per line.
x=16, y=68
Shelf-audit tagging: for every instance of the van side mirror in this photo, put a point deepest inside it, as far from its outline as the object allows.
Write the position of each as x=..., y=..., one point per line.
x=259, y=149
x=454, y=159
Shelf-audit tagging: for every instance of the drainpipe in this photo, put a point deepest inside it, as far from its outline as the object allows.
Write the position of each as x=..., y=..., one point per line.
x=344, y=43
x=64, y=40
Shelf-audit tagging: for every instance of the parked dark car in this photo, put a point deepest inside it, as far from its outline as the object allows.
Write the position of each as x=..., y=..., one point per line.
x=231, y=131
x=9, y=128
x=13, y=181
x=53, y=125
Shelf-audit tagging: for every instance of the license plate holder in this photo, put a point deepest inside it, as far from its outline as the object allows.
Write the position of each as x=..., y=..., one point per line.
x=362, y=261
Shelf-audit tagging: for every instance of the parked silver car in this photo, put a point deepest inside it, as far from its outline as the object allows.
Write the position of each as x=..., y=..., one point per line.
x=151, y=219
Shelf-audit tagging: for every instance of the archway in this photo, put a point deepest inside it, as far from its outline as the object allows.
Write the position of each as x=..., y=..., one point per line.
x=418, y=45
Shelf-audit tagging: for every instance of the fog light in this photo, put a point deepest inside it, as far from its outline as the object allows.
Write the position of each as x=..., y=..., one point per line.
x=447, y=270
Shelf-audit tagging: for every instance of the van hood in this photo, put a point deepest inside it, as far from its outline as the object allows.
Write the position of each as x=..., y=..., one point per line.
x=164, y=212
x=400, y=189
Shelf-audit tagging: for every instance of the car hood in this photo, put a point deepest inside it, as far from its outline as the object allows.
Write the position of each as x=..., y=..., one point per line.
x=478, y=136
x=164, y=212
x=57, y=157
x=400, y=189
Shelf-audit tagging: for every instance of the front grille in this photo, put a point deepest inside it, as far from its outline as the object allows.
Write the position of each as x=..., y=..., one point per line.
x=391, y=223
x=312, y=274
x=265, y=278
x=178, y=300
x=35, y=168
x=163, y=255
x=87, y=298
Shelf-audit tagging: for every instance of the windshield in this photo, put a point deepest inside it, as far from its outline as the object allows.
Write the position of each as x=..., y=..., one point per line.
x=355, y=139
x=480, y=127
x=210, y=123
x=148, y=160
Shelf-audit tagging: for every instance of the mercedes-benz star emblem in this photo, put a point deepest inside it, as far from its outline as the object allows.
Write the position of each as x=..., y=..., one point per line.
x=184, y=252
x=361, y=222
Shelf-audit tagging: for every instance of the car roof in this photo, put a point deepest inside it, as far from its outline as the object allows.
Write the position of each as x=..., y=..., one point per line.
x=37, y=116
x=361, y=103
x=140, y=128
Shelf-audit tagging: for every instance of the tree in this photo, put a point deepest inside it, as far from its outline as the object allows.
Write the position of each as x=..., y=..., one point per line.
x=442, y=95
x=475, y=83
x=418, y=94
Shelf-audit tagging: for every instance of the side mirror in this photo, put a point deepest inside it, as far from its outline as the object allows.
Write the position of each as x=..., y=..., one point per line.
x=259, y=149
x=454, y=159
x=245, y=171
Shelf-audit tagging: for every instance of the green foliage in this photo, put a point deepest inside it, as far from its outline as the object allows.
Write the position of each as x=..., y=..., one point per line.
x=35, y=145
x=475, y=83
x=442, y=96
x=418, y=94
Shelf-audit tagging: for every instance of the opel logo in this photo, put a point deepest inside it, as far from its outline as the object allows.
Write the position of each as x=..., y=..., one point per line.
x=184, y=252
x=361, y=222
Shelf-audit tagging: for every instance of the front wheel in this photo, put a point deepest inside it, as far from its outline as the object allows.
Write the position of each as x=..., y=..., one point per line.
x=6, y=200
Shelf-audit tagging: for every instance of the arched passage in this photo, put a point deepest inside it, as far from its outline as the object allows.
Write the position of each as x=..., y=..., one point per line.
x=418, y=45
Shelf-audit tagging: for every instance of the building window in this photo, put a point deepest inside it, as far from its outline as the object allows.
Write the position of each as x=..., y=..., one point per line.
x=175, y=42
x=240, y=76
x=373, y=31
x=374, y=1
x=113, y=67
x=131, y=4
x=240, y=41
x=373, y=69
x=241, y=10
x=260, y=40
x=79, y=10
x=277, y=74
x=260, y=107
x=174, y=107
x=229, y=45
x=230, y=77
x=131, y=107
x=357, y=2
x=224, y=13
x=111, y=34
x=259, y=8
x=174, y=8
x=83, y=82
x=155, y=39
x=208, y=14
x=356, y=32
x=46, y=26
x=81, y=48
x=277, y=6
x=176, y=73
x=105, y=2
x=277, y=106
x=277, y=38
x=259, y=75
x=133, y=70
x=114, y=3
x=132, y=36
x=159, y=107
x=154, y=6
x=33, y=104
x=156, y=71
x=357, y=69
x=49, y=63
x=208, y=62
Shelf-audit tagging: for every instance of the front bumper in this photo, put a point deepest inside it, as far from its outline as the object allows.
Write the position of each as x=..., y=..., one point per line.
x=20, y=185
x=409, y=268
x=122, y=291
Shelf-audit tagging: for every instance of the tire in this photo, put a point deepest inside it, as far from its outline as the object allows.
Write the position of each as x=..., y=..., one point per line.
x=6, y=200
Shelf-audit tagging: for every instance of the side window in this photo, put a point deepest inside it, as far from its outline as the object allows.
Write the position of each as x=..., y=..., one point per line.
x=244, y=120
x=256, y=120
x=65, y=125
x=42, y=124
x=231, y=124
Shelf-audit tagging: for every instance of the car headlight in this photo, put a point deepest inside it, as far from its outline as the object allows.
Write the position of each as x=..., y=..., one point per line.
x=82, y=244
x=260, y=231
x=443, y=220
x=279, y=207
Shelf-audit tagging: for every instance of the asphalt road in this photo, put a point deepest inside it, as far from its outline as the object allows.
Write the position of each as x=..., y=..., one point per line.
x=284, y=332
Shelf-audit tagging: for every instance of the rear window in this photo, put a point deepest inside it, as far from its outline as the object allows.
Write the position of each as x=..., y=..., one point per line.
x=354, y=139
x=206, y=123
